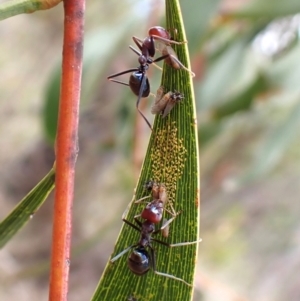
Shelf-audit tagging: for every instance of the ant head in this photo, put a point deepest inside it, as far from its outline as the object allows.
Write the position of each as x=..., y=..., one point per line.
x=149, y=185
x=139, y=261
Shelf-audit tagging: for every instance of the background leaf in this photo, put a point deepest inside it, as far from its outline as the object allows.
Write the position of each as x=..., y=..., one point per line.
x=26, y=209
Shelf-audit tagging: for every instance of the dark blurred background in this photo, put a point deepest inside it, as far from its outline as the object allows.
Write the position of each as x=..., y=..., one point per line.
x=246, y=58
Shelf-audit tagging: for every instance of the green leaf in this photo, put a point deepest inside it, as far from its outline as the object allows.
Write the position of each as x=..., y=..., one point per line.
x=26, y=209
x=171, y=158
x=16, y=7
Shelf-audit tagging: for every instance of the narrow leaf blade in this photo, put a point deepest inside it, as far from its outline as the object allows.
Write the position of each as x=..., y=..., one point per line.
x=171, y=158
x=26, y=208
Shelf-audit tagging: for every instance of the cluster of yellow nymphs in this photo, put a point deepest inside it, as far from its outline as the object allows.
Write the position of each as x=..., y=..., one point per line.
x=168, y=158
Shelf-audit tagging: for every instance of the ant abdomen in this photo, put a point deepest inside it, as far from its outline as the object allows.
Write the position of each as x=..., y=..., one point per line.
x=139, y=261
x=159, y=32
x=135, y=84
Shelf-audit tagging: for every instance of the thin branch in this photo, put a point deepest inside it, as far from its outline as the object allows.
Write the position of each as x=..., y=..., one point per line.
x=17, y=7
x=66, y=147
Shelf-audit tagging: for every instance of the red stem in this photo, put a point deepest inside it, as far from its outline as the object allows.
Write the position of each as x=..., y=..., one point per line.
x=66, y=147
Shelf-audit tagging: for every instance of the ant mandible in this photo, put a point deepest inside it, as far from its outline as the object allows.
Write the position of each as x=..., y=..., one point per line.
x=138, y=81
x=140, y=260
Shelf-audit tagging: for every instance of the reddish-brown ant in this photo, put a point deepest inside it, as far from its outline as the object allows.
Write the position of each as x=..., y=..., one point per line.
x=138, y=81
x=140, y=260
x=164, y=103
x=154, y=210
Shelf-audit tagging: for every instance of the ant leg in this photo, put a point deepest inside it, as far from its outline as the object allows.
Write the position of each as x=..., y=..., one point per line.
x=172, y=277
x=157, y=60
x=153, y=260
x=121, y=73
x=161, y=58
x=181, y=65
x=166, y=223
x=133, y=225
x=165, y=228
x=180, y=244
x=136, y=216
x=160, y=241
x=163, y=40
x=119, y=82
x=138, y=42
x=139, y=200
x=187, y=243
x=168, y=41
x=173, y=212
x=156, y=66
x=121, y=254
x=143, y=83
x=148, y=123
x=135, y=51
x=138, y=222
x=173, y=60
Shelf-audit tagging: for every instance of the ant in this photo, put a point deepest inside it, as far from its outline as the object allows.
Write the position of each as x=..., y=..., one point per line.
x=164, y=103
x=154, y=209
x=138, y=81
x=140, y=260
